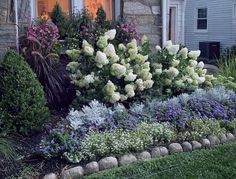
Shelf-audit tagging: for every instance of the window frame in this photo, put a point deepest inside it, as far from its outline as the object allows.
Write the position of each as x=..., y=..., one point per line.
x=197, y=30
x=76, y=6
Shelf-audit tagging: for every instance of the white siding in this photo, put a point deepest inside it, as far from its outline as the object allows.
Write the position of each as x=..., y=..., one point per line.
x=221, y=25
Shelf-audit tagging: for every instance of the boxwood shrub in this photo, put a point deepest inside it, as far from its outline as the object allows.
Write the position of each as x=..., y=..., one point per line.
x=22, y=101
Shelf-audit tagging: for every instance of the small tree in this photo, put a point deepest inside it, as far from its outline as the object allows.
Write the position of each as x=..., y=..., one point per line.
x=101, y=22
x=58, y=18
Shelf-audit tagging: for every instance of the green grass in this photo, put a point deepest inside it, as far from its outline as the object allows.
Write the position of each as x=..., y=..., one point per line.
x=227, y=66
x=219, y=162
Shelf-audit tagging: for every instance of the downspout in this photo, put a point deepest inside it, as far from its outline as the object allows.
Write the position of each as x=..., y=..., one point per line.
x=165, y=4
x=17, y=27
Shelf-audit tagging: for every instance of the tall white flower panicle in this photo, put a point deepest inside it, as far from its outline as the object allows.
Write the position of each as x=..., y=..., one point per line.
x=129, y=89
x=172, y=72
x=130, y=77
x=109, y=88
x=101, y=59
x=200, y=65
x=175, y=63
x=173, y=49
x=118, y=70
x=110, y=50
x=158, y=48
x=192, y=63
x=102, y=41
x=87, y=48
x=194, y=54
x=144, y=39
x=111, y=34
x=183, y=53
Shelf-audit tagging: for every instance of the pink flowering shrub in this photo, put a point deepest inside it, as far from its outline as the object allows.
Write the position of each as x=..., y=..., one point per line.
x=126, y=32
x=44, y=33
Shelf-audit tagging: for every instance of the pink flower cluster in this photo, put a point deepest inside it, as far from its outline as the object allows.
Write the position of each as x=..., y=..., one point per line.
x=128, y=31
x=45, y=32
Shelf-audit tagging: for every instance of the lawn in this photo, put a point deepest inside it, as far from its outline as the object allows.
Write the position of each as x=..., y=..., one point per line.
x=219, y=162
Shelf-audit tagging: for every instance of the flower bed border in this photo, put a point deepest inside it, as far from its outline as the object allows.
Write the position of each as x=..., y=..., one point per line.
x=155, y=152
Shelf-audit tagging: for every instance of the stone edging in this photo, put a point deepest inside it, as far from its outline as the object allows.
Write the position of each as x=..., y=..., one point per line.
x=156, y=152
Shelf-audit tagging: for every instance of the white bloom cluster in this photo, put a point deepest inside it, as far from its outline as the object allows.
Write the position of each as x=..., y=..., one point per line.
x=112, y=66
x=179, y=69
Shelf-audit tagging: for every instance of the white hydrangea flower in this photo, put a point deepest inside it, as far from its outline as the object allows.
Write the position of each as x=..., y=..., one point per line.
x=200, y=65
x=173, y=49
x=102, y=41
x=114, y=97
x=192, y=63
x=85, y=43
x=179, y=83
x=88, y=50
x=148, y=84
x=189, y=80
x=201, y=80
x=89, y=78
x=190, y=70
x=144, y=39
x=111, y=34
x=175, y=63
x=172, y=72
x=123, y=97
x=158, y=48
x=158, y=71
x=184, y=53
x=110, y=50
x=168, y=43
x=194, y=54
x=204, y=71
x=129, y=89
x=72, y=66
x=118, y=70
x=101, y=59
x=109, y=88
x=122, y=47
x=132, y=44
x=130, y=77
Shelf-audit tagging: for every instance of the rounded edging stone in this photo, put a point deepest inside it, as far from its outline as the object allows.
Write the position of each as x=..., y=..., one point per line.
x=50, y=176
x=205, y=143
x=223, y=138
x=214, y=140
x=187, y=147
x=74, y=172
x=127, y=159
x=175, y=148
x=196, y=145
x=145, y=155
x=107, y=163
x=230, y=136
x=91, y=167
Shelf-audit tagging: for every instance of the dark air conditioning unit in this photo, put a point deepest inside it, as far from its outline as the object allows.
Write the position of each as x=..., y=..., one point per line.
x=209, y=50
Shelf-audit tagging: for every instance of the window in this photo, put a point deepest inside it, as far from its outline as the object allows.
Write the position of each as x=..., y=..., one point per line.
x=93, y=5
x=234, y=10
x=45, y=7
x=202, y=19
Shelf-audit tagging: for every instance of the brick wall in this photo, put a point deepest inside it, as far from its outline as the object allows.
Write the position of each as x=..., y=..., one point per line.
x=146, y=14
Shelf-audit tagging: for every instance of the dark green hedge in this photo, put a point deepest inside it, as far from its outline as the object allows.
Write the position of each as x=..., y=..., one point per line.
x=22, y=101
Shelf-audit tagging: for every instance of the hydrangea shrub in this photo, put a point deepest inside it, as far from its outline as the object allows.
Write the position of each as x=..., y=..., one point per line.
x=176, y=69
x=107, y=72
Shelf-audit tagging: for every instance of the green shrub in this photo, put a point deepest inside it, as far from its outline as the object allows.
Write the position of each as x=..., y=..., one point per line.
x=199, y=128
x=22, y=101
x=59, y=19
x=231, y=125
